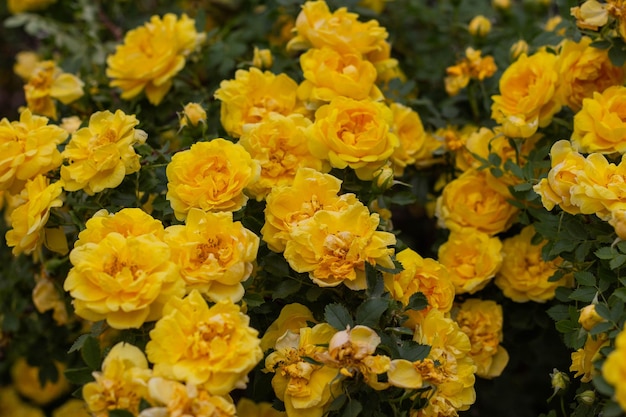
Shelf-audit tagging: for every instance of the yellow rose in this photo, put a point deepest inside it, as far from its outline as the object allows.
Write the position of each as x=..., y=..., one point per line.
x=25, y=64
x=584, y=70
x=292, y=317
x=47, y=82
x=423, y=275
x=524, y=274
x=72, y=408
x=27, y=148
x=470, y=202
x=248, y=408
x=123, y=280
x=210, y=176
x=556, y=188
x=353, y=133
x=152, y=55
x=583, y=359
x=333, y=246
x=253, y=95
x=527, y=95
x=176, y=399
x=100, y=155
x=329, y=74
x=448, y=367
x=26, y=382
x=481, y=321
x=279, y=145
x=288, y=205
x=472, y=258
x=213, y=347
x=12, y=405
x=47, y=297
x=128, y=222
x=407, y=126
x=600, y=125
x=614, y=368
x=20, y=6
x=473, y=66
x=215, y=254
x=589, y=317
x=121, y=384
x=306, y=388
x=341, y=30
x=193, y=113
x=479, y=26
x=29, y=219
x=591, y=15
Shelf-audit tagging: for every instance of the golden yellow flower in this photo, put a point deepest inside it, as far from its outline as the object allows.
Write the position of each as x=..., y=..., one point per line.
x=279, y=144
x=152, y=55
x=262, y=58
x=470, y=202
x=292, y=317
x=288, y=205
x=25, y=64
x=72, y=408
x=215, y=254
x=527, y=95
x=600, y=125
x=333, y=246
x=329, y=74
x=583, y=70
x=479, y=26
x=472, y=258
x=248, y=408
x=176, y=399
x=448, y=368
x=122, y=383
x=47, y=82
x=353, y=133
x=424, y=275
x=26, y=381
x=100, y=155
x=341, y=30
x=210, y=176
x=212, y=347
x=481, y=320
x=253, y=95
x=27, y=148
x=123, y=280
x=12, y=405
x=306, y=388
x=29, y=219
x=583, y=359
x=47, y=297
x=193, y=113
x=589, y=317
x=524, y=274
x=20, y=6
x=473, y=66
x=407, y=126
x=614, y=368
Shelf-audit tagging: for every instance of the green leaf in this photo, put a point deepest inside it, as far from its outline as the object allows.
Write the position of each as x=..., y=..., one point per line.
x=403, y=198
x=285, y=288
x=612, y=409
x=601, y=328
x=78, y=343
x=525, y=186
x=566, y=326
x=585, y=294
x=253, y=300
x=558, y=312
x=605, y=252
x=395, y=270
x=90, y=352
x=79, y=376
x=375, y=283
x=417, y=301
x=585, y=278
x=617, y=55
x=620, y=293
x=603, y=311
x=353, y=409
x=369, y=313
x=602, y=386
x=338, y=402
x=413, y=351
x=617, y=261
x=338, y=316
x=120, y=413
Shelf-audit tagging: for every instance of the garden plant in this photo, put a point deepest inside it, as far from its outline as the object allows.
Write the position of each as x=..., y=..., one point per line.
x=250, y=208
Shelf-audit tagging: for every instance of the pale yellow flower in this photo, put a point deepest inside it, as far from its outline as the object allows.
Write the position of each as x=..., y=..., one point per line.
x=279, y=144
x=211, y=347
x=210, y=176
x=47, y=82
x=152, y=55
x=28, y=148
x=29, y=219
x=121, y=384
x=591, y=15
x=214, y=253
x=100, y=155
x=253, y=95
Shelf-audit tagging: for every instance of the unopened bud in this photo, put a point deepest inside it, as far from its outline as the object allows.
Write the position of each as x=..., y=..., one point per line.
x=587, y=397
x=193, y=113
x=559, y=381
x=518, y=48
x=262, y=58
x=479, y=26
x=589, y=317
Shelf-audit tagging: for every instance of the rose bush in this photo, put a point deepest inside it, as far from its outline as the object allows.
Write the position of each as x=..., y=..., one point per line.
x=309, y=208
